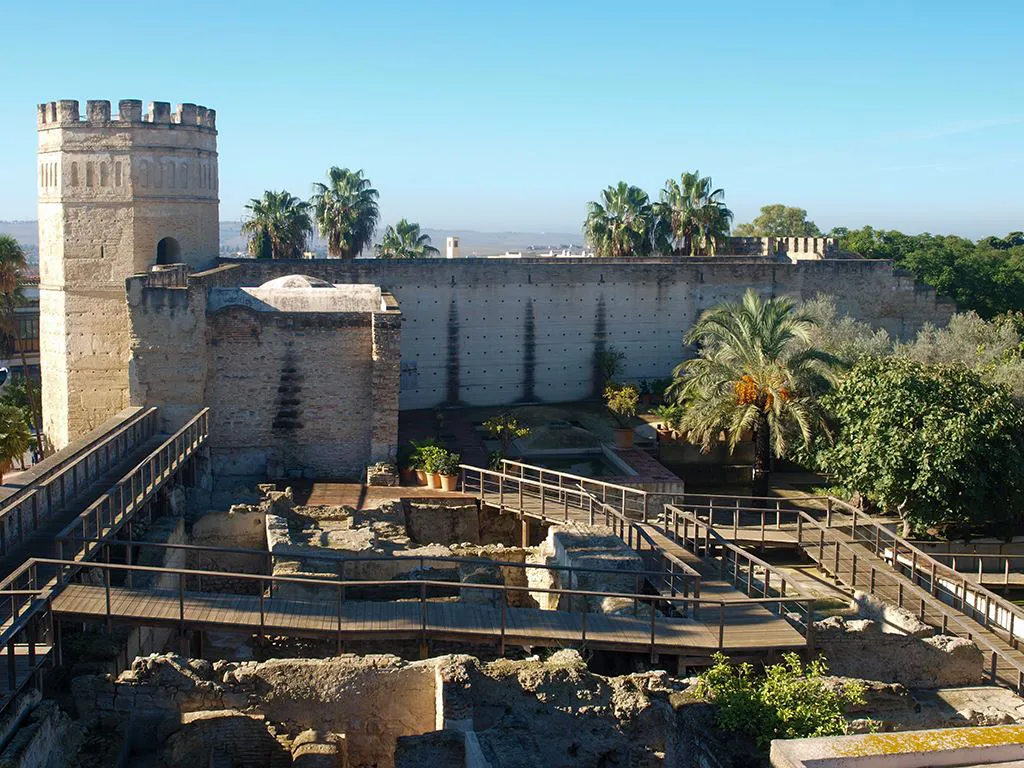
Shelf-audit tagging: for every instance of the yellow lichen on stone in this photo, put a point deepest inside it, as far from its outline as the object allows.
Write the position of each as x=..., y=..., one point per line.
x=930, y=741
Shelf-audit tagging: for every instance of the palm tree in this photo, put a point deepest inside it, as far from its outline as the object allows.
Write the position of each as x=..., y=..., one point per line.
x=404, y=241
x=12, y=266
x=278, y=226
x=756, y=371
x=623, y=224
x=15, y=438
x=695, y=213
x=346, y=212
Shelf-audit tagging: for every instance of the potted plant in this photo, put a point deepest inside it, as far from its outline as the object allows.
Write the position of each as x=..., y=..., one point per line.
x=416, y=458
x=448, y=471
x=622, y=401
x=668, y=420
x=433, y=455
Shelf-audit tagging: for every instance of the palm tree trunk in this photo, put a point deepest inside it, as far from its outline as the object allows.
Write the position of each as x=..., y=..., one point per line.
x=762, y=455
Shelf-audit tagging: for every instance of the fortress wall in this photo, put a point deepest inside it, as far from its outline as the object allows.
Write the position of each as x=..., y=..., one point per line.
x=491, y=332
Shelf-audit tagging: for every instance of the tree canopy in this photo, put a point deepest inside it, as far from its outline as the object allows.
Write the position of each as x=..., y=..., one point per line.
x=346, y=212
x=932, y=442
x=779, y=220
x=986, y=276
x=695, y=213
x=278, y=226
x=622, y=224
x=405, y=241
x=756, y=371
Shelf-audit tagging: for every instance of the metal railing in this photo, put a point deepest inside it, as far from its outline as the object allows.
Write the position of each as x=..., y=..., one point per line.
x=559, y=497
x=864, y=553
x=51, y=489
x=27, y=593
x=633, y=502
x=113, y=508
x=653, y=615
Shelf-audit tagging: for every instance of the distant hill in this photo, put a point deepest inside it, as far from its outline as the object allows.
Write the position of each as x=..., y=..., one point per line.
x=472, y=242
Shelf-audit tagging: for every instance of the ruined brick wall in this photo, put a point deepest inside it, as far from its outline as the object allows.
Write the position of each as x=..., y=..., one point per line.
x=291, y=393
x=298, y=385
x=110, y=190
x=493, y=332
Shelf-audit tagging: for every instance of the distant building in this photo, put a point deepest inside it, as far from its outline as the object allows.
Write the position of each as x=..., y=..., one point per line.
x=452, y=250
x=21, y=348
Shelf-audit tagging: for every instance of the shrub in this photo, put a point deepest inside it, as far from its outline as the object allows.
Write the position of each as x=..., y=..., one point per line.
x=433, y=456
x=416, y=454
x=622, y=400
x=506, y=428
x=448, y=464
x=789, y=701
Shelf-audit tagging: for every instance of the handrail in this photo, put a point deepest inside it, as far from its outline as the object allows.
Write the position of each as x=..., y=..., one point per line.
x=948, y=612
x=160, y=463
x=616, y=486
x=75, y=564
x=38, y=496
x=725, y=544
x=335, y=557
x=541, y=487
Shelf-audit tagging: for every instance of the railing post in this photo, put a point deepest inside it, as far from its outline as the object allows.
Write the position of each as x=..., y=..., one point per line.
x=828, y=512
x=645, y=507
x=654, y=613
x=721, y=626
x=263, y=613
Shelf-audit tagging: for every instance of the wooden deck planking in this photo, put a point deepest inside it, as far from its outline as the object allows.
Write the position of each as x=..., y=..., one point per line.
x=529, y=626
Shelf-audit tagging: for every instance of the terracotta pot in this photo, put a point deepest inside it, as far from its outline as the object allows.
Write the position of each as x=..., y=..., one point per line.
x=449, y=482
x=421, y=477
x=433, y=480
x=664, y=435
x=623, y=438
x=408, y=475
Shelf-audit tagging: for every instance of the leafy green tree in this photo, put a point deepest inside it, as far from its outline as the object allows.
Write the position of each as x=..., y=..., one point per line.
x=755, y=371
x=15, y=437
x=506, y=428
x=697, y=218
x=994, y=349
x=779, y=220
x=405, y=241
x=278, y=225
x=12, y=268
x=933, y=443
x=789, y=701
x=623, y=224
x=346, y=212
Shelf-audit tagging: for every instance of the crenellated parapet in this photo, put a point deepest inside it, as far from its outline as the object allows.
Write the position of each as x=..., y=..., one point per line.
x=66, y=113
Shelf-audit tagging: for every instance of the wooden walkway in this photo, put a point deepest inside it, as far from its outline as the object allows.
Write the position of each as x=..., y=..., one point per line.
x=745, y=630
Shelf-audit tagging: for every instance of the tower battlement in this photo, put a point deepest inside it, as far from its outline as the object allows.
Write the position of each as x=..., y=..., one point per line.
x=66, y=112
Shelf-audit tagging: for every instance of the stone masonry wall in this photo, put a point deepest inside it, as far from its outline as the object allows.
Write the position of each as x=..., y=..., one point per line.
x=109, y=191
x=492, y=332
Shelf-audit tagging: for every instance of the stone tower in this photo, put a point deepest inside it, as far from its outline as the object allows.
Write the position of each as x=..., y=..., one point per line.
x=117, y=196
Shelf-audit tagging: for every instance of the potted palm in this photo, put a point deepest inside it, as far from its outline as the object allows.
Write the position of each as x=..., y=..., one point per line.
x=448, y=471
x=622, y=401
x=433, y=456
x=668, y=420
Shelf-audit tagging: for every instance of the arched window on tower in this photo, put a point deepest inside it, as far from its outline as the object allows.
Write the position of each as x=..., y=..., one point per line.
x=168, y=251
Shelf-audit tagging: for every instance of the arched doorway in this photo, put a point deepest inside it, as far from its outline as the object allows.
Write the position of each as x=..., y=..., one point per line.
x=168, y=251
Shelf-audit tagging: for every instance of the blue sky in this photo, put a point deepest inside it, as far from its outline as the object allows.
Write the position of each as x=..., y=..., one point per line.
x=512, y=116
